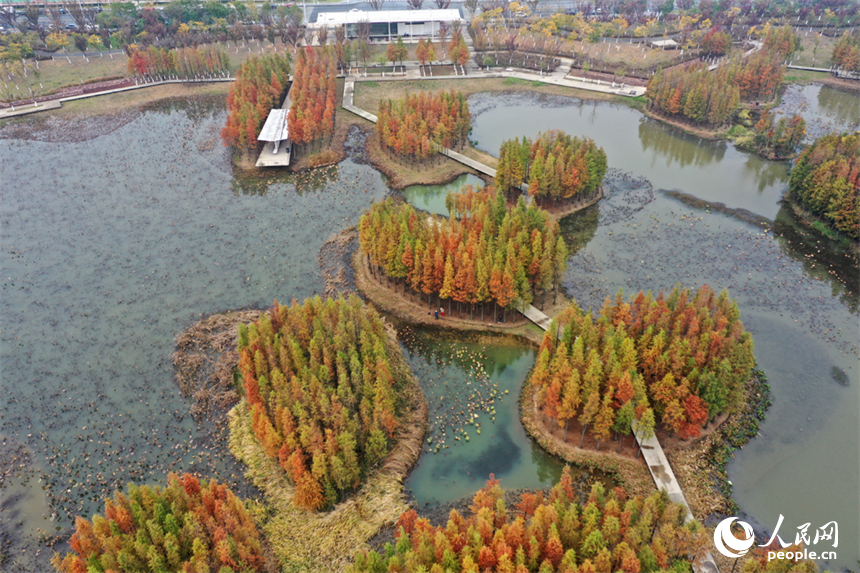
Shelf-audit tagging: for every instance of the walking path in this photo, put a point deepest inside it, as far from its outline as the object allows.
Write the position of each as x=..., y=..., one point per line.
x=56, y=103
x=652, y=452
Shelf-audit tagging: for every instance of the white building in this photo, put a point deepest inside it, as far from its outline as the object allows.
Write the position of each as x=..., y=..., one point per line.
x=390, y=23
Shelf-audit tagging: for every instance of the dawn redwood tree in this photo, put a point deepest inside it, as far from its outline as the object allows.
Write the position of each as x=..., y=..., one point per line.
x=552, y=533
x=415, y=126
x=322, y=392
x=187, y=526
x=251, y=97
x=482, y=254
x=825, y=180
x=556, y=167
x=680, y=360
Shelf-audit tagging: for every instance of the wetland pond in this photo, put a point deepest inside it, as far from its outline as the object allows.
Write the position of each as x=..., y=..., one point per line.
x=115, y=244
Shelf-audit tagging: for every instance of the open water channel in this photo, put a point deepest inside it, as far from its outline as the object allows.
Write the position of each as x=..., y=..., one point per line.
x=113, y=245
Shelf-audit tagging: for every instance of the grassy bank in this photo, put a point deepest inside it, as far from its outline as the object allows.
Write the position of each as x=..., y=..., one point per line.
x=339, y=533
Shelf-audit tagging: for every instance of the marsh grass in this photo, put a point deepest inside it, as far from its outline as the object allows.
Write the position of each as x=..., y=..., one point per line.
x=327, y=541
x=205, y=358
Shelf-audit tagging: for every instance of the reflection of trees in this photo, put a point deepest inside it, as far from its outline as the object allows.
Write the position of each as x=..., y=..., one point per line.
x=766, y=173
x=548, y=467
x=678, y=147
x=196, y=108
x=257, y=182
x=579, y=228
x=822, y=258
x=441, y=348
x=844, y=106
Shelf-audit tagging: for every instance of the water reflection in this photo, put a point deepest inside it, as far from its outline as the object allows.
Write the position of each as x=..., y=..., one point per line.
x=681, y=149
x=843, y=107
x=823, y=258
x=670, y=159
x=461, y=379
x=431, y=198
x=260, y=181
x=825, y=109
x=766, y=174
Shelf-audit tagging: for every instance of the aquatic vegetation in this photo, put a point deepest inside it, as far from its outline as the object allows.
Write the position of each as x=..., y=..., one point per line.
x=484, y=252
x=679, y=360
x=186, y=526
x=323, y=395
x=608, y=532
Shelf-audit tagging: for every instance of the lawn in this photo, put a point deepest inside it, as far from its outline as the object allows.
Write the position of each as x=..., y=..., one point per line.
x=816, y=50
x=60, y=72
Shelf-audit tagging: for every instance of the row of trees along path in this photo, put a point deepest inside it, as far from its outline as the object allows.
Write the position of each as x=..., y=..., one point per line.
x=678, y=361
x=323, y=399
x=179, y=63
x=694, y=94
x=313, y=96
x=413, y=128
x=484, y=252
x=610, y=531
x=555, y=167
x=260, y=86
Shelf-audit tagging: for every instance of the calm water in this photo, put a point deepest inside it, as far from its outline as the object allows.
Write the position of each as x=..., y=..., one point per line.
x=431, y=198
x=670, y=159
x=804, y=465
x=105, y=261
x=472, y=393
x=824, y=109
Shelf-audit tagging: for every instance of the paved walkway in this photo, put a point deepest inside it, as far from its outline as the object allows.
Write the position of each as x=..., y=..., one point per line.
x=55, y=103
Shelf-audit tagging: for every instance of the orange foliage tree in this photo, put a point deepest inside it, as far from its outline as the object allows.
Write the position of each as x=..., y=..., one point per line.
x=186, y=526
x=609, y=532
x=259, y=87
x=324, y=400
x=313, y=95
x=682, y=360
x=483, y=253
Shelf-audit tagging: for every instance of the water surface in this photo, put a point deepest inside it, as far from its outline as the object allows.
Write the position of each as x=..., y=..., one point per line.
x=110, y=248
x=431, y=198
x=472, y=391
x=670, y=159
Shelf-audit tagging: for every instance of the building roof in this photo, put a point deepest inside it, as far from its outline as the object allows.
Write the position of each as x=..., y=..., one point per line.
x=276, y=127
x=380, y=16
x=670, y=43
